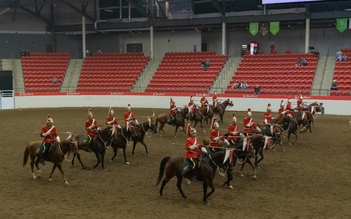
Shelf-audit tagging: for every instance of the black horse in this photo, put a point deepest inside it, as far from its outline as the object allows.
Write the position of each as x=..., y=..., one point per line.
x=220, y=110
x=141, y=130
x=172, y=166
x=119, y=141
x=99, y=146
x=179, y=118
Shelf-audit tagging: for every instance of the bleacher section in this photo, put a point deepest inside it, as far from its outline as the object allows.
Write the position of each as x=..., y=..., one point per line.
x=181, y=71
x=111, y=71
x=342, y=75
x=275, y=74
x=40, y=68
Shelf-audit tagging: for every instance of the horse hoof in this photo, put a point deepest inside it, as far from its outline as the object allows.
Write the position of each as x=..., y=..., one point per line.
x=105, y=169
x=127, y=163
x=34, y=177
x=66, y=183
x=242, y=175
x=50, y=180
x=231, y=187
x=147, y=155
x=189, y=182
x=254, y=177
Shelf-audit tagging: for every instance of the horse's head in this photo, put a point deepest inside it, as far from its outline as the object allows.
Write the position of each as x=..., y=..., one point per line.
x=106, y=132
x=71, y=143
x=152, y=125
x=229, y=102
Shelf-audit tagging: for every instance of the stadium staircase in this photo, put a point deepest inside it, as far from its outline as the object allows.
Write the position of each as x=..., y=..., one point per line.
x=71, y=78
x=146, y=76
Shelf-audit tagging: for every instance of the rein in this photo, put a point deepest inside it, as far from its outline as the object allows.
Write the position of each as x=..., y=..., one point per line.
x=105, y=145
x=64, y=155
x=125, y=137
x=146, y=131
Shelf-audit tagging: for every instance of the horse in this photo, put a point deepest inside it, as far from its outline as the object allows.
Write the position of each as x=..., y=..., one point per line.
x=141, y=130
x=179, y=117
x=100, y=144
x=220, y=110
x=274, y=132
x=172, y=166
x=200, y=115
x=119, y=141
x=56, y=154
x=288, y=124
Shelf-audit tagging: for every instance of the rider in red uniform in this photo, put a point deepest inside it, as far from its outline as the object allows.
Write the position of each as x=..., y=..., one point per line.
x=92, y=127
x=215, y=100
x=172, y=111
x=268, y=115
x=193, y=148
x=203, y=101
x=111, y=120
x=192, y=107
x=50, y=136
x=249, y=124
x=233, y=131
x=300, y=106
x=281, y=108
x=288, y=108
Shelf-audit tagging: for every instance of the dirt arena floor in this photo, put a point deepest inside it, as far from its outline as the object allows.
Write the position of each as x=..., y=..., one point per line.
x=310, y=180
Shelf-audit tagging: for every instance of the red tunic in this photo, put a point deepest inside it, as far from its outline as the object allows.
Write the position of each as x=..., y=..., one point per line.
x=172, y=109
x=128, y=116
x=191, y=106
x=299, y=105
x=213, y=135
x=203, y=101
x=111, y=121
x=246, y=122
x=93, y=123
x=267, y=117
x=233, y=131
x=281, y=110
x=194, y=152
x=49, y=138
x=289, y=110
x=214, y=100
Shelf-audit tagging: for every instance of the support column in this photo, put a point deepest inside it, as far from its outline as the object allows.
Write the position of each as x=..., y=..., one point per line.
x=224, y=37
x=307, y=35
x=151, y=42
x=83, y=37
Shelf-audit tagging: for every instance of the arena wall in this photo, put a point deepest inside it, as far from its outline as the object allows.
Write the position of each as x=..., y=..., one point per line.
x=337, y=105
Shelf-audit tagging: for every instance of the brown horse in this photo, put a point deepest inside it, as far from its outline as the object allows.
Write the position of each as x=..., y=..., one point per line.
x=56, y=154
x=180, y=118
x=100, y=144
x=200, y=115
x=141, y=130
x=289, y=124
x=172, y=166
x=120, y=142
x=220, y=110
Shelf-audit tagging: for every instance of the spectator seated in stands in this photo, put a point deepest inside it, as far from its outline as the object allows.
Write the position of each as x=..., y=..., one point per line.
x=298, y=62
x=304, y=62
x=23, y=53
x=99, y=51
x=88, y=53
x=239, y=85
x=54, y=80
x=334, y=85
x=27, y=53
x=344, y=57
x=257, y=89
x=338, y=55
x=235, y=85
x=245, y=86
x=205, y=64
x=316, y=53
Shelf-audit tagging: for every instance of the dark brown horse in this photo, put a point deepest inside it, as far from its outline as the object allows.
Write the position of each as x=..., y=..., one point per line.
x=141, y=130
x=220, y=110
x=56, y=154
x=180, y=118
x=172, y=166
x=201, y=114
x=289, y=124
x=120, y=142
x=100, y=144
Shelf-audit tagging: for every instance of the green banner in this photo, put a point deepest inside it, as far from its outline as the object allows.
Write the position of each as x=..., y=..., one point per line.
x=274, y=27
x=341, y=24
x=254, y=28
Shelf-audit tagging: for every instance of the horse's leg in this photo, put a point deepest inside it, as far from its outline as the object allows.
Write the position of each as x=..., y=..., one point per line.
x=161, y=128
x=134, y=144
x=253, y=169
x=259, y=160
x=210, y=183
x=52, y=171
x=115, y=149
x=229, y=177
x=242, y=167
x=146, y=150
x=78, y=157
x=59, y=166
x=125, y=155
x=179, y=185
x=175, y=133
x=36, y=163
x=97, y=155
x=102, y=154
x=32, y=158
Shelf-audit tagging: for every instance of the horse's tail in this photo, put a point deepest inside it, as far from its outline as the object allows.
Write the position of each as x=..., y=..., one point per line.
x=162, y=169
x=25, y=156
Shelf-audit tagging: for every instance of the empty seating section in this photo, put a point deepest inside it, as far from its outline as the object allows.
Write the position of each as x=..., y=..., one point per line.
x=40, y=68
x=275, y=74
x=111, y=71
x=342, y=75
x=181, y=71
